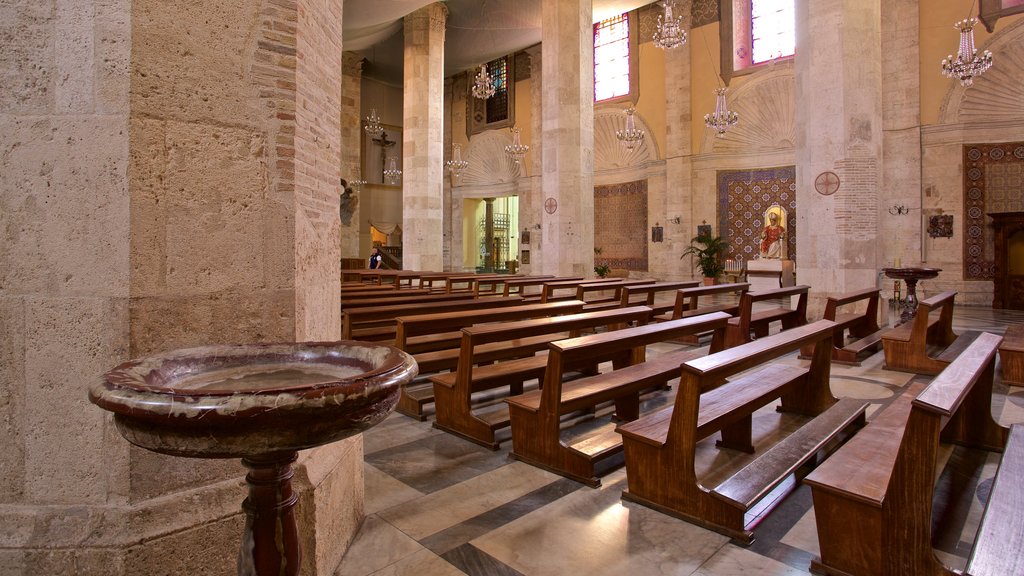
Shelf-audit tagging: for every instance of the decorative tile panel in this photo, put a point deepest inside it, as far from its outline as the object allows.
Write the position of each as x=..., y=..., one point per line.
x=743, y=197
x=620, y=225
x=993, y=180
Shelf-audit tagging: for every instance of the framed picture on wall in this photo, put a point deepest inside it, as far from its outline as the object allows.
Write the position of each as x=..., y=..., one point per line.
x=378, y=152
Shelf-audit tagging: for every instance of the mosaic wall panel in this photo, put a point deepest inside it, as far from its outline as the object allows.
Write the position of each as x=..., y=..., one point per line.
x=993, y=182
x=743, y=197
x=620, y=225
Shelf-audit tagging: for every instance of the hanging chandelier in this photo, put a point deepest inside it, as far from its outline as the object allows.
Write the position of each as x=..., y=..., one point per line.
x=669, y=31
x=968, y=63
x=632, y=135
x=722, y=118
x=373, y=126
x=355, y=185
x=392, y=175
x=483, y=86
x=456, y=165
x=516, y=150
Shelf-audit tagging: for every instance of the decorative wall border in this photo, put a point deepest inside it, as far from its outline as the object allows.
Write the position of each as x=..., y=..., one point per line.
x=977, y=228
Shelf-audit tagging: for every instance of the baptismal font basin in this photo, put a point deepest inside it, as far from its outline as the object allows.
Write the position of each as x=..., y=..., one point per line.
x=261, y=403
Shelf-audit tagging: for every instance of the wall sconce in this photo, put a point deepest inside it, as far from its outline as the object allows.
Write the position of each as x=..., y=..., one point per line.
x=898, y=210
x=675, y=220
x=525, y=237
x=657, y=233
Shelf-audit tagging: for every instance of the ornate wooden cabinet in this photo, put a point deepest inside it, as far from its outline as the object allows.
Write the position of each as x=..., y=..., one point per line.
x=1008, y=283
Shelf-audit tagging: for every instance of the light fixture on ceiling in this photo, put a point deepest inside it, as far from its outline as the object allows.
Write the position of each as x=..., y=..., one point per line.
x=669, y=32
x=722, y=118
x=516, y=150
x=483, y=86
x=373, y=126
x=456, y=165
x=392, y=174
x=632, y=135
x=968, y=63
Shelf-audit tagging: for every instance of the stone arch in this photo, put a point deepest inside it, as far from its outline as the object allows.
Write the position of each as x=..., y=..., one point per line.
x=488, y=163
x=609, y=153
x=766, y=104
x=995, y=95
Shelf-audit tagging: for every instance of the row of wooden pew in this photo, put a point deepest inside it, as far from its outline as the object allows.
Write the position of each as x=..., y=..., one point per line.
x=497, y=346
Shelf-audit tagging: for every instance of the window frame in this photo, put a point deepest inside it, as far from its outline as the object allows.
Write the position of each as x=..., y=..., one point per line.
x=476, y=106
x=632, y=20
x=735, y=33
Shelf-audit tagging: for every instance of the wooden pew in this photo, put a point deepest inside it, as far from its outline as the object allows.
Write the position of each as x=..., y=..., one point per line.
x=863, y=326
x=536, y=415
x=433, y=340
x=910, y=347
x=517, y=286
x=1011, y=355
x=466, y=282
x=645, y=295
x=873, y=497
x=453, y=391
x=389, y=292
x=378, y=323
x=395, y=298
x=606, y=295
x=758, y=321
x=566, y=289
x=660, y=448
x=688, y=305
x=499, y=285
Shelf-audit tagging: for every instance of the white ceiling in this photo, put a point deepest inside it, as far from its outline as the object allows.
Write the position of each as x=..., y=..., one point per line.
x=477, y=30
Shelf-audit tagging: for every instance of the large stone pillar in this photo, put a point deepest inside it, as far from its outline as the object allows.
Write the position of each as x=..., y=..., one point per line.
x=838, y=127
x=351, y=140
x=166, y=190
x=678, y=158
x=567, y=138
x=422, y=139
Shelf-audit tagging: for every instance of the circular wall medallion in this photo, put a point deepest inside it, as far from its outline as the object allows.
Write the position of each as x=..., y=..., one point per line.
x=550, y=205
x=826, y=183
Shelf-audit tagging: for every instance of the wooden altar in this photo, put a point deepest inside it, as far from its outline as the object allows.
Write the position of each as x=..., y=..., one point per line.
x=1008, y=281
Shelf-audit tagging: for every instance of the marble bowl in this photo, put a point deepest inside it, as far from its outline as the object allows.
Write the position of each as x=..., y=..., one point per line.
x=253, y=400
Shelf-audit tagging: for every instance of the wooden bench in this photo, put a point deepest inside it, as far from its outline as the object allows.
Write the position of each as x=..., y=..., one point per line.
x=466, y=283
x=1011, y=355
x=453, y=391
x=758, y=321
x=873, y=497
x=518, y=286
x=645, y=295
x=484, y=286
x=377, y=323
x=606, y=296
x=688, y=305
x=863, y=326
x=566, y=289
x=433, y=340
x=536, y=415
x=660, y=448
x=393, y=298
x=927, y=344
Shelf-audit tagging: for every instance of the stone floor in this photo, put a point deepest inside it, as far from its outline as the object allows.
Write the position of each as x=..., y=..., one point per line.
x=439, y=505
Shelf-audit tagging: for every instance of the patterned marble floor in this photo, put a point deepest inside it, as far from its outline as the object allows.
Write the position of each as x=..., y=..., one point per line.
x=439, y=505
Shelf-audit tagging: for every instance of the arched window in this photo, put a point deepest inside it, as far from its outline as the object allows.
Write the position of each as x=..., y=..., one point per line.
x=755, y=32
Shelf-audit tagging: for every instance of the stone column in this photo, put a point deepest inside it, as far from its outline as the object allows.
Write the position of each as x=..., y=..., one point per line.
x=351, y=147
x=901, y=125
x=531, y=201
x=567, y=138
x=422, y=139
x=839, y=104
x=678, y=153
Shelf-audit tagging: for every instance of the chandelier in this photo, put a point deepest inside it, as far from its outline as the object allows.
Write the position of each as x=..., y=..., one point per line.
x=516, y=150
x=669, y=31
x=373, y=126
x=483, y=86
x=722, y=118
x=968, y=63
x=356, y=184
x=392, y=175
x=456, y=165
x=631, y=136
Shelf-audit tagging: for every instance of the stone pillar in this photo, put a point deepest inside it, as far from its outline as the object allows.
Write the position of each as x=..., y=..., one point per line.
x=422, y=143
x=567, y=138
x=351, y=148
x=167, y=191
x=678, y=153
x=839, y=104
x=901, y=125
x=489, y=260
x=531, y=201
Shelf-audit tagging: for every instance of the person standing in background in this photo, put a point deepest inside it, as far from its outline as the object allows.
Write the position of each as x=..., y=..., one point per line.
x=375, y=258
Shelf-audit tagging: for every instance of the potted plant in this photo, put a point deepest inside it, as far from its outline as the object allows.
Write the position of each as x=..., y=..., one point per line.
x=601, y=270
x=708, y=250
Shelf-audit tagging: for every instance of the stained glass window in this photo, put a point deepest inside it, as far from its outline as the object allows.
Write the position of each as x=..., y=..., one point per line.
x=611, y=58
x=497, y=105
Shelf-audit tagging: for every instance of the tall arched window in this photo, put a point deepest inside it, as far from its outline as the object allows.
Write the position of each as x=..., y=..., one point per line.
x=755, y=32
